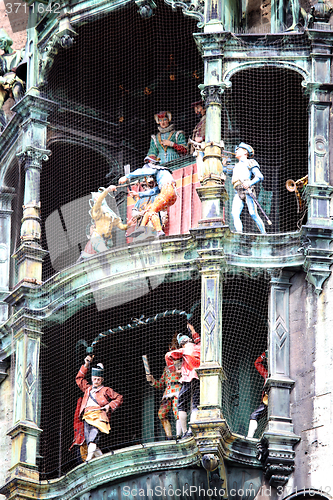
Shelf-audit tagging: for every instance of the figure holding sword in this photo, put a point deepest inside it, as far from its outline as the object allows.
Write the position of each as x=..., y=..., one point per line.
x=245, y=174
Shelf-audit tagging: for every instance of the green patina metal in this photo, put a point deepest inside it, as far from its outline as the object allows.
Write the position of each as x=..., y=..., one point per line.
x=209, y=252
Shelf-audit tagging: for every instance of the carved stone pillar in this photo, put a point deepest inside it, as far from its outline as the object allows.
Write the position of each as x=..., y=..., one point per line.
x=209, y=426
x=25, y=430
x=221, y=15
x=318, y=189
x=210, y=169
x=6, y=196
x=278, y=439
x=30, y=255
x=319, y=228
x=27, y=329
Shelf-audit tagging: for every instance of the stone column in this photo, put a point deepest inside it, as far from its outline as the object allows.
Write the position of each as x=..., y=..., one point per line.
x=318, y=189
x=210, y=169
x=319, y=228
x=278, y=439
x=30, y=255
x=6, y=196
x=320, y=90
x=27, y=329
x=209, y=425
x=25, y=431
x=279, y=382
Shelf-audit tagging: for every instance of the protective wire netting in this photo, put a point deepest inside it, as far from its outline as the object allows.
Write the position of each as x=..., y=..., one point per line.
x=267, y=108
x=136, y=421
x=121, y=70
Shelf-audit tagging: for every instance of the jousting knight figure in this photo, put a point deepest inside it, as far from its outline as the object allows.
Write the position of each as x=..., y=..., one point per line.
x=165, y=190
x=245, y=174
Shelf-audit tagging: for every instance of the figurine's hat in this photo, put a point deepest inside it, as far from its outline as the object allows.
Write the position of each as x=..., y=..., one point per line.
x=151, y=159
x=248, y=148
x=163, y=114
x=98, y=371
x=182, y=339
x=197, y=103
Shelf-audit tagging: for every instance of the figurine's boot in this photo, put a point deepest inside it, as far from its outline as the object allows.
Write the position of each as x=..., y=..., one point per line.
x=178, y=429
x=252, y=428
x=183, y=420
x=167, y=428
x=91, y=449
x=98, y=452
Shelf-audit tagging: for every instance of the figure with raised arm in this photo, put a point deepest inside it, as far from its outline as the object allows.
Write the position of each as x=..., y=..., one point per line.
x=245, y=174
x=165, y=190
x=97, y=405
x=170, y=382
x=168, y=144
x=189, y=353
x=103, y=221
x=261, y=411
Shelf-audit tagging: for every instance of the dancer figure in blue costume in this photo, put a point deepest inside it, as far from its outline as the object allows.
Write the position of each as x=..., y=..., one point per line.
x=165, y=190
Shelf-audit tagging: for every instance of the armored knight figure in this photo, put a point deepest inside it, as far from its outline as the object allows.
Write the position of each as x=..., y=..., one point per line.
x=245, y=174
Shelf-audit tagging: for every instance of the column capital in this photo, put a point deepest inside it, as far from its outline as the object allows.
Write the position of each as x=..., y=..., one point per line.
x=318, y=255
x=281, y=278
x=24, y=427
x=212, y=262
x=32, y=156
x=280, y=382
x=212, y=94
x=212, y=43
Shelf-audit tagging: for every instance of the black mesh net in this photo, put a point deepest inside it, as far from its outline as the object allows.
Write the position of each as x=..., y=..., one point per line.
x=152, y=334
x=121, y=70
x=267, y=108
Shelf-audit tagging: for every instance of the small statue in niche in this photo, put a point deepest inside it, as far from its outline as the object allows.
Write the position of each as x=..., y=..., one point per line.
x=165, y=190
x=189, y=353
x=261, y=411
x=245, y=174
x=169, y=144
x=11, y=86
x=170, y=381
x=97, y=404
x=199, y=131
